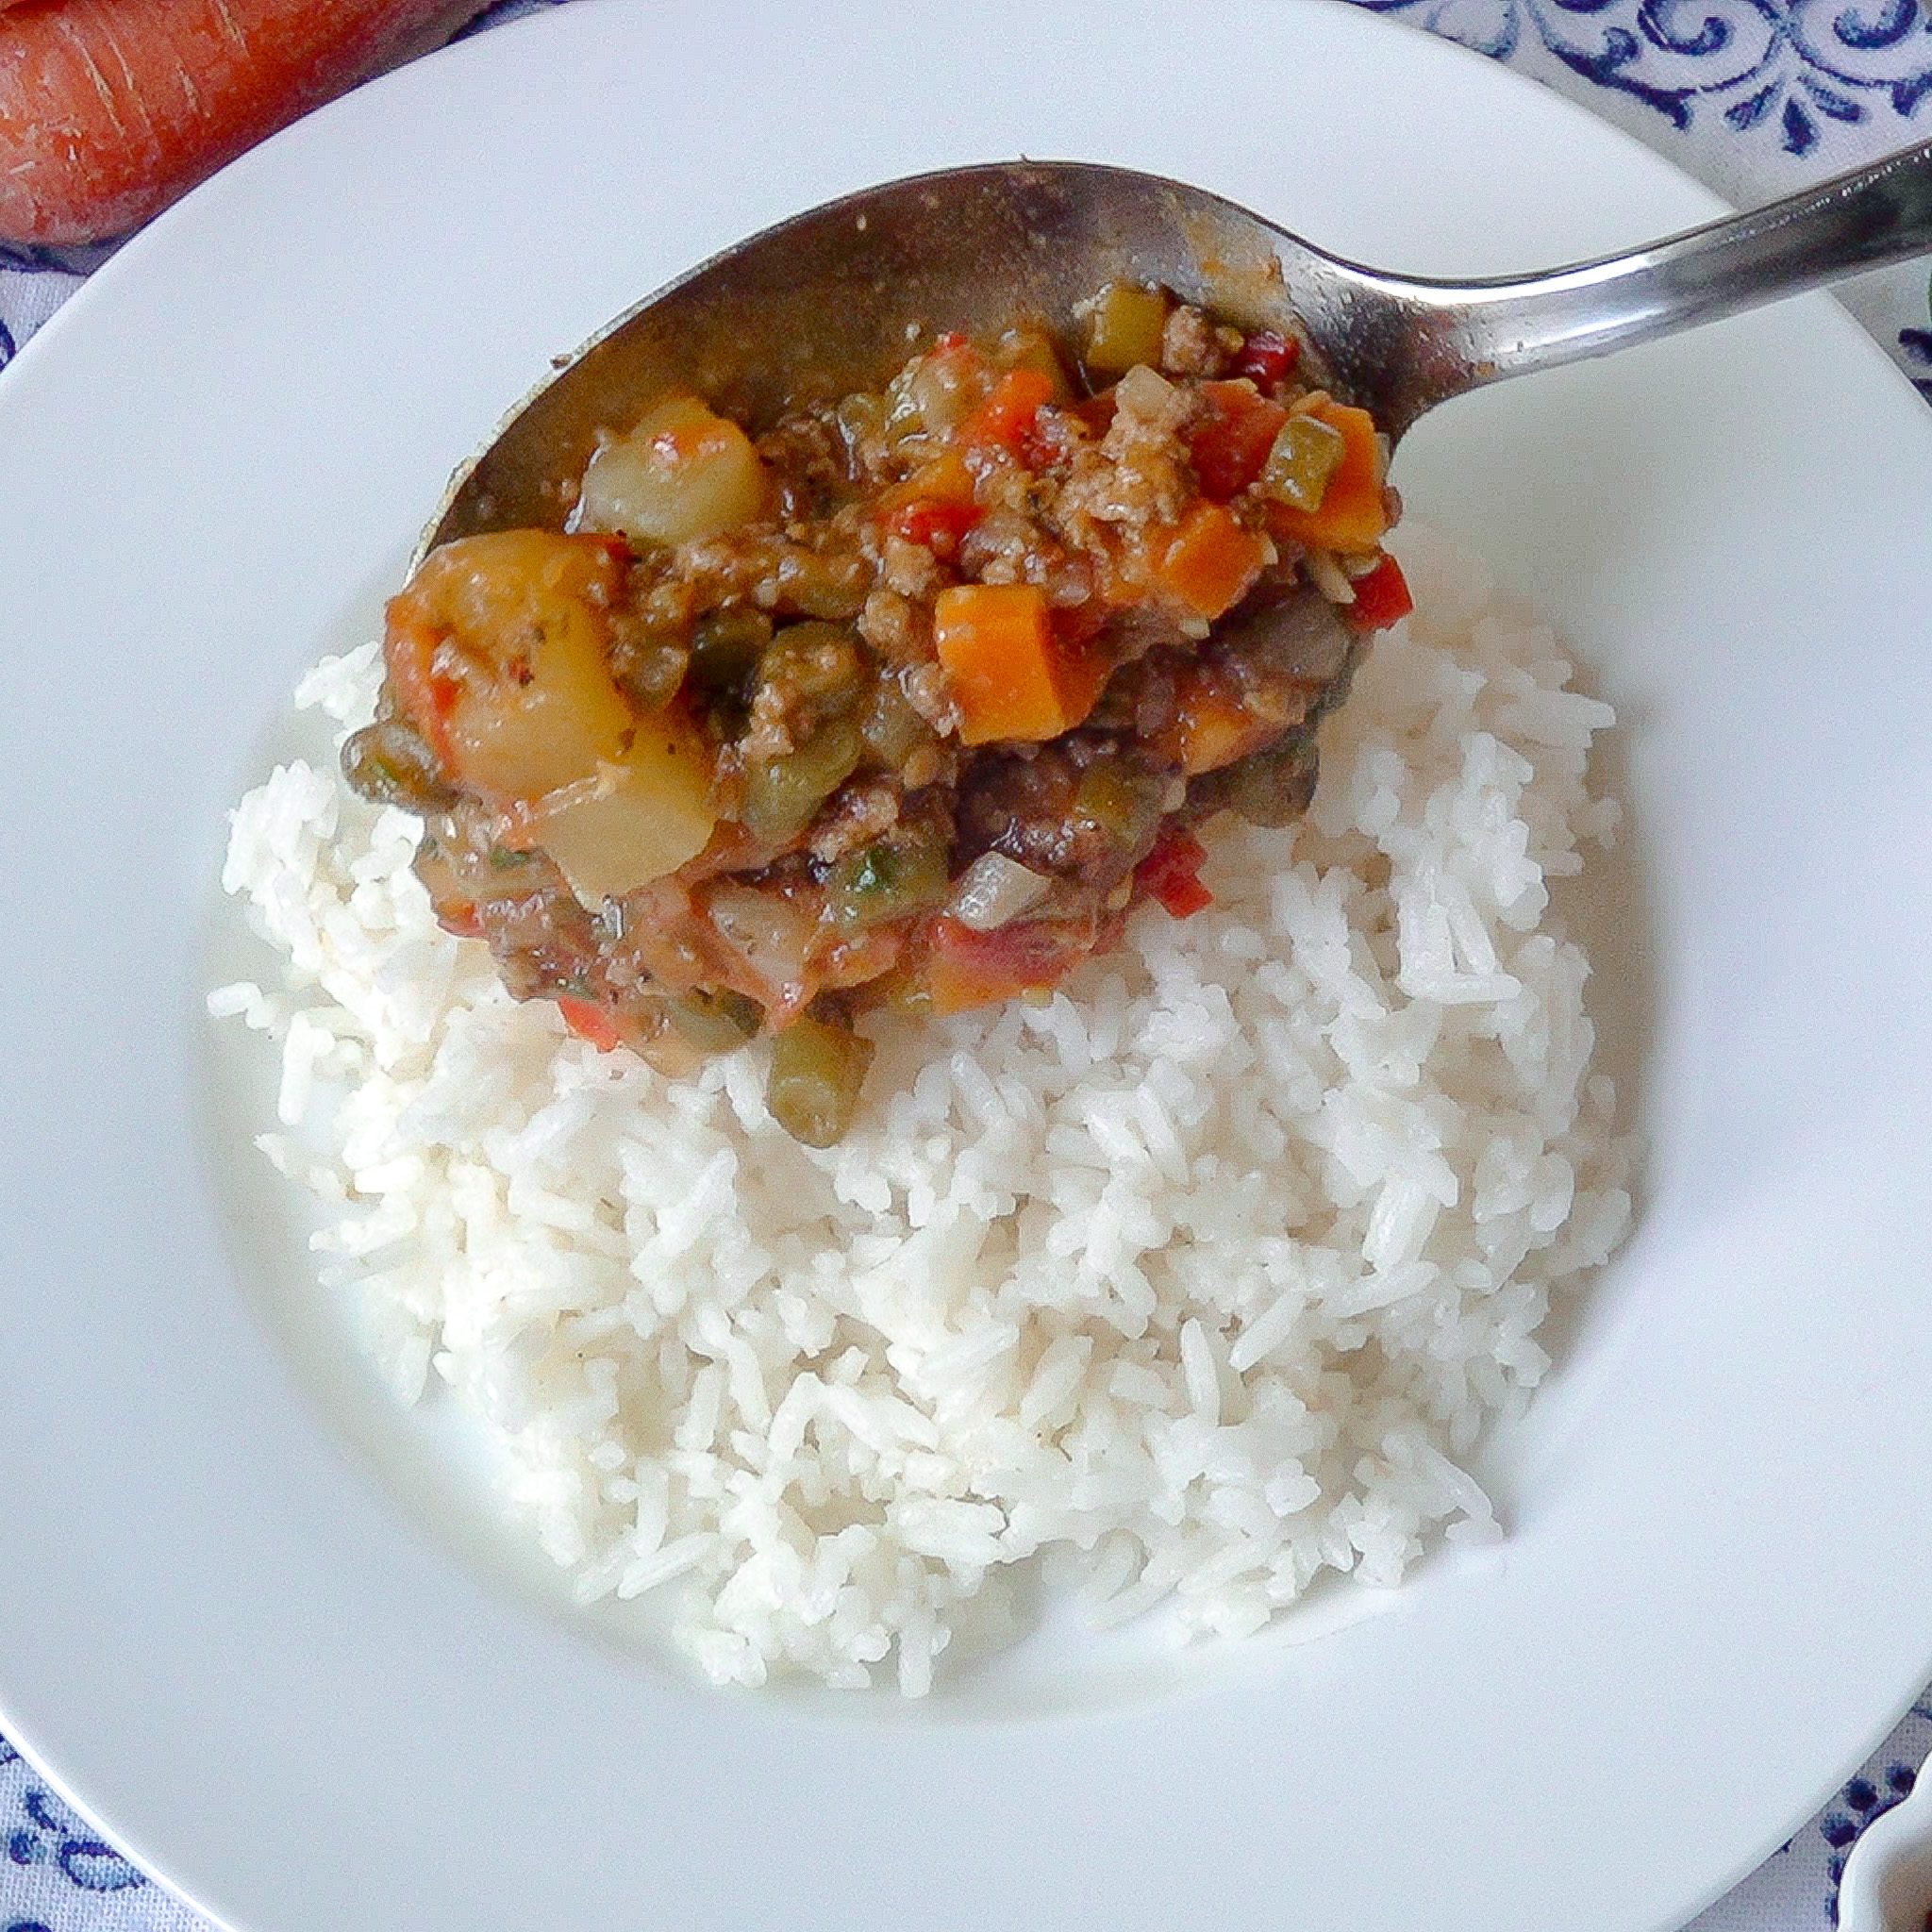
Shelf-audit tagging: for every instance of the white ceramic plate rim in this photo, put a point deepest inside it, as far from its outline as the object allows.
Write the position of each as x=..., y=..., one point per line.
x=234, y=1648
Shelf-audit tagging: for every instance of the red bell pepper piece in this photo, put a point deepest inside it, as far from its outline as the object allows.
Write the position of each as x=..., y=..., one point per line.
x=1267, y=357
x=1171, y=873
x=1381, y=597
x=589, y=1020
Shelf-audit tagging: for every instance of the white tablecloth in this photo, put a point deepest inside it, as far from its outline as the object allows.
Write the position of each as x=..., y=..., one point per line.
x=1757, y=98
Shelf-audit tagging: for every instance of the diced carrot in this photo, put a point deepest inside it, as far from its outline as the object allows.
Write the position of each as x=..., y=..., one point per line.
x=1012, y=678
x=1209, y=561
x=1171, y=874
x=1381, y=597
x=589, y=1020
x=111, y=109
x=1230, y=440
x=1351, y=516
x=1008, y=417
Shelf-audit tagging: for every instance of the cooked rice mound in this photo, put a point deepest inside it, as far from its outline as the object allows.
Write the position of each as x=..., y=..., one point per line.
x=1204, y=1276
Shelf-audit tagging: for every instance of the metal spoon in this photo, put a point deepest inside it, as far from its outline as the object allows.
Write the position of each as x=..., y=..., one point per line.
x=836, y=299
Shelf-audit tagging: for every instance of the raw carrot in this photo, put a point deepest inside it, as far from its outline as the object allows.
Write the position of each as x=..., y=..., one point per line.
x=1351, y=516
x=111, y=109
x=1209, y=559
x=1010, y=676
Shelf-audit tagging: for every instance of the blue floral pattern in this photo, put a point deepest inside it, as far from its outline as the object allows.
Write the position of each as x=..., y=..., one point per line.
x=1887, y=1781
x=1779, y=80
x=1780, y=68
x=43, y=1832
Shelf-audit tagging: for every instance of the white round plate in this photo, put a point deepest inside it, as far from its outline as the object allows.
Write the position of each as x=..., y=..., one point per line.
x=233, y=1645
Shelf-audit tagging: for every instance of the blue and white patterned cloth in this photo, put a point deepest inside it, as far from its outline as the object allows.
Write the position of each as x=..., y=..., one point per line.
x=1757, y=98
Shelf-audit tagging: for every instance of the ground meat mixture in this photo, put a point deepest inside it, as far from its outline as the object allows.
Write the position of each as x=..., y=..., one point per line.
x=903, y=704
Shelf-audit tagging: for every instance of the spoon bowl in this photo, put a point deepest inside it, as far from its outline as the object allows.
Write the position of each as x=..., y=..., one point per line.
x=836, y=298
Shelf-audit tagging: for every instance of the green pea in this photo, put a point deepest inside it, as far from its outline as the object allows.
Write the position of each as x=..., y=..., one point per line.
x=893, y=730
x=726, y=649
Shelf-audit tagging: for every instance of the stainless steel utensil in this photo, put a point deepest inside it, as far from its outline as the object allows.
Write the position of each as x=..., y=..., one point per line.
x=836, y=298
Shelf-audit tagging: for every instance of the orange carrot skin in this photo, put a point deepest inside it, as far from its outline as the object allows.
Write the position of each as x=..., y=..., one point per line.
x=110, y=109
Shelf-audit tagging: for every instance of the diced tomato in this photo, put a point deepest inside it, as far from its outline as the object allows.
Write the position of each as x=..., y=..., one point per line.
x=975, y=969
x=426, y=696
x=1009, y=417
x=1267, y=357
x=936, y=524
x=1381, y=597
x=1230, y=440
x=589, y=1020
x=1171, y=873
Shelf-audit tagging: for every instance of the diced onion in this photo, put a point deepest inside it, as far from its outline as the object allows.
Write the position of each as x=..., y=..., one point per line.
x=995, y=890
x=771, y=935
x=1328, y=577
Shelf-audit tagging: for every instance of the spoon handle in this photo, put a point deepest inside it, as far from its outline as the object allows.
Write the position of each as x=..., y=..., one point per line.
x=1470, y=334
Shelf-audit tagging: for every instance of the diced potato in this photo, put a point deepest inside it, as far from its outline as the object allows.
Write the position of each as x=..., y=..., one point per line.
x=513, y=629
x=636, y=819
x=683, y=473
x=1121, y=326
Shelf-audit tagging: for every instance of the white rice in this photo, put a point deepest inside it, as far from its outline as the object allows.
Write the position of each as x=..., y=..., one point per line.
x=1213, y=1267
